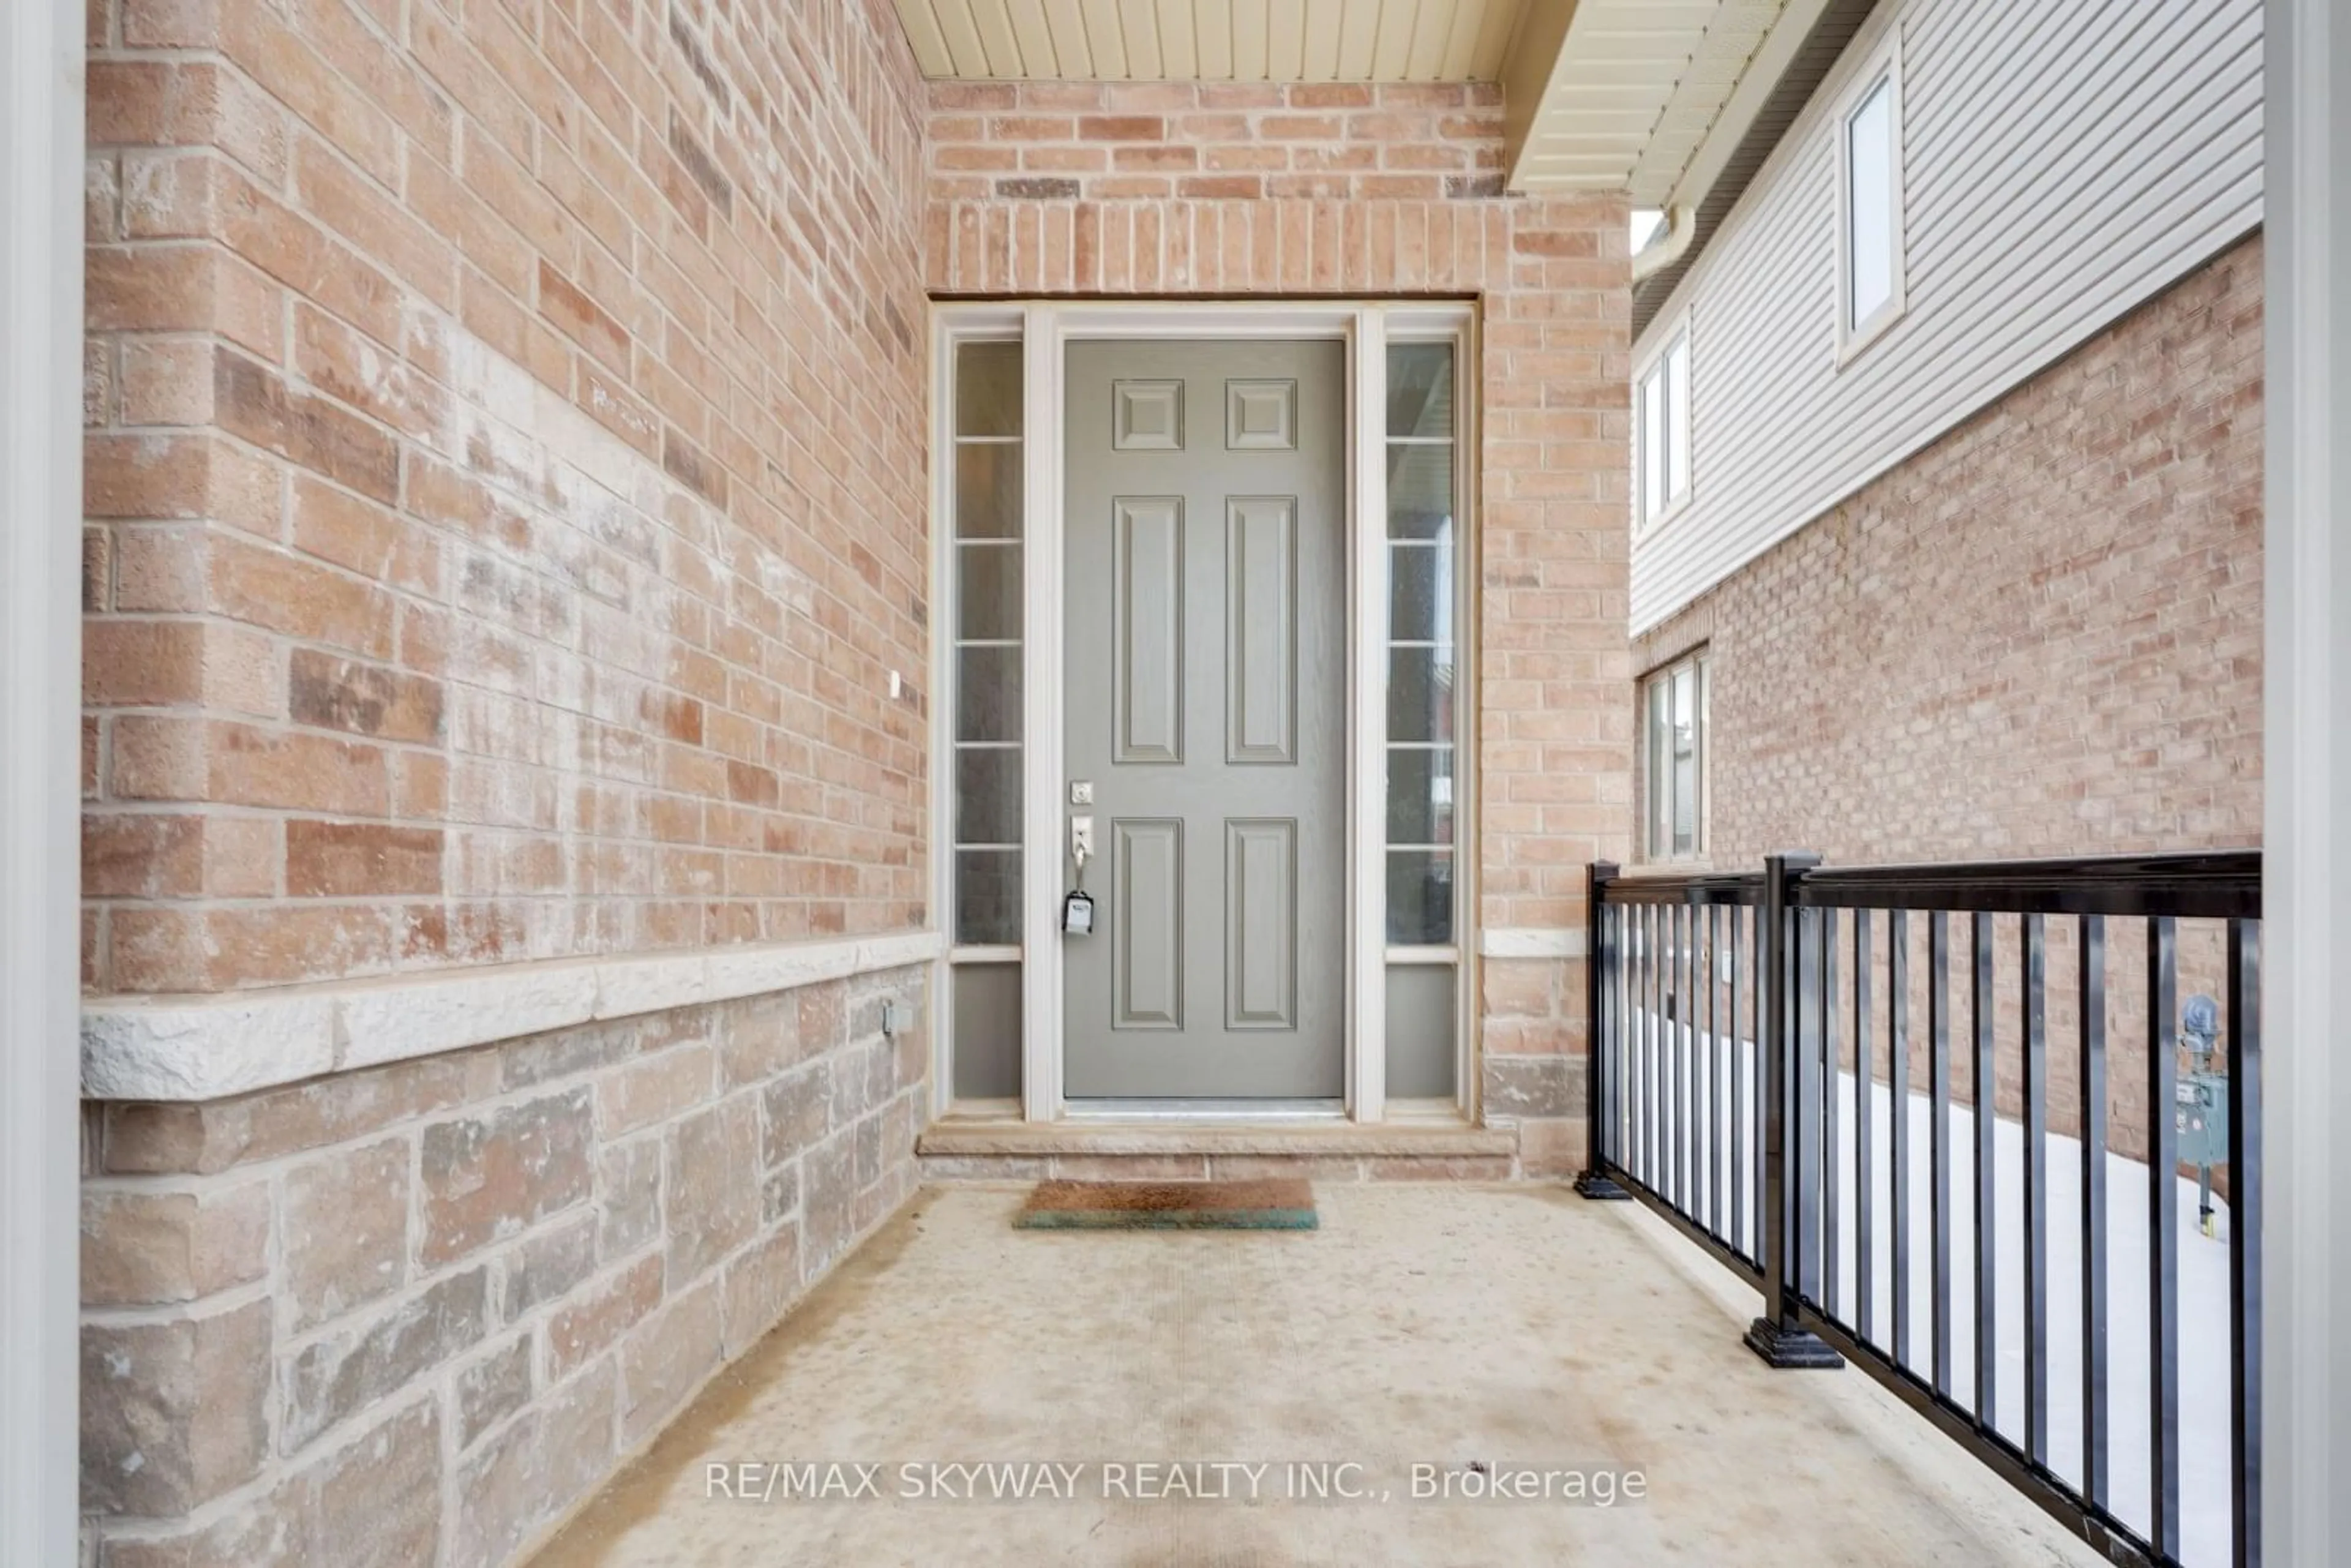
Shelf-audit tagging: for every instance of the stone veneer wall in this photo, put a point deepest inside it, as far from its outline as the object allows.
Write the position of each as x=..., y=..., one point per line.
x=1250, y=190
x=412, y=1314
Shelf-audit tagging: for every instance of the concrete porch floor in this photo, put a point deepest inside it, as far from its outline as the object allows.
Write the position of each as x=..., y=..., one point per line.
x=1516, y=1326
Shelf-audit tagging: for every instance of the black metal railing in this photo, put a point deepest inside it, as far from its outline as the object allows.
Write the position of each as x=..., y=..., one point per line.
x=1997, y=1231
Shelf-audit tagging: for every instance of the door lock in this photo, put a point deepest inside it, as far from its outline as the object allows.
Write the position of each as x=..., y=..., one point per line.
x=1081, y=791
x=1082, y=839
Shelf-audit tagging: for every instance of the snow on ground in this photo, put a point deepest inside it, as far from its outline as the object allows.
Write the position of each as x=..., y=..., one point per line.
x=2204, y=1314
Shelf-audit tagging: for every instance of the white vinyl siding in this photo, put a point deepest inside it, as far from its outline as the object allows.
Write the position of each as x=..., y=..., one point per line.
x=2063, y=162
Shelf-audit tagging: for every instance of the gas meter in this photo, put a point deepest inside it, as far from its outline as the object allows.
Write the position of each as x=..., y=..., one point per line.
x=2200, y=1119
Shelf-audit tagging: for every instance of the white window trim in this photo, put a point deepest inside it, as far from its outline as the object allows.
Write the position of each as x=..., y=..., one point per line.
x=1700, y=660
x=1884, y=67
x=1453, y=326
x=1643, y=524
x=951, y=330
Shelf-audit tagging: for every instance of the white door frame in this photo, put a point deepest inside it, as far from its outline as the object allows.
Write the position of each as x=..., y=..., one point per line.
x=1046, y=330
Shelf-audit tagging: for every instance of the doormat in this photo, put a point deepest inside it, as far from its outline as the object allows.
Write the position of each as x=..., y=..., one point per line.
x=1279, y=1202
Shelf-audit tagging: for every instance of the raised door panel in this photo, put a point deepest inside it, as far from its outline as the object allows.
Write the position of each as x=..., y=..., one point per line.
x=1262, y=923
x=1147, y=416
x=1148, y=595
x=1261, y=416
x=1147, y=928
x=1261, y=629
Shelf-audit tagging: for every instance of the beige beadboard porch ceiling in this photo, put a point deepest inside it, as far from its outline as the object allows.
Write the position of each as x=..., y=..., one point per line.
x=1641, y=96
x=1215, y=40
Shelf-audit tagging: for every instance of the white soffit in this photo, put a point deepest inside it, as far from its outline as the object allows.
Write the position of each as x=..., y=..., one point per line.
x=1635, y=91
x=1215, y=40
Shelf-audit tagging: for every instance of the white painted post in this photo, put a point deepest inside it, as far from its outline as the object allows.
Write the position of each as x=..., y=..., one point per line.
x=41, y=139
x=2306, y=896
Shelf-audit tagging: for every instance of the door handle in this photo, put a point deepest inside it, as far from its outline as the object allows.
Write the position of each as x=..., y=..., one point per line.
x=1078, y=908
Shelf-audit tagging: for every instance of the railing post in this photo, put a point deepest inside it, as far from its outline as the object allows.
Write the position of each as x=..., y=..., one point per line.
x=1790, y=1126
x=1599, y=1035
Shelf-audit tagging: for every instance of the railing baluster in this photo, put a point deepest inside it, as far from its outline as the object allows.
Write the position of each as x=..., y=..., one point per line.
x=1636, y=1025
x=1759, y=993
x=1897, y=1058
x=1832, y=1146
x=1626, y=1009
x=2163, y=1217
x=1804, y=1045
x=1938, y=1135
x=2094, y=1207
x=1618, y=1037
x=1680, y=1172
x=2245, y=1241
x=1693, y=1143
x=1986, y=1215
x=1652, y=1007
x=1659, y=999
x=1742, y=1173
x=1635, y=1044
x=1697, y=1060
x=1653, y=1001
x=1669, y=1143
x=1660, y=923
x=1714, y=1101
x=2037, y=1182
x=1865, y=1078
x=1628, y=1084
x=1656, y=1174
x=1636, y=1052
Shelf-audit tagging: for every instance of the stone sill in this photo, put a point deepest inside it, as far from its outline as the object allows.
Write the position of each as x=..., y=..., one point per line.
x=1434, y=1139
x=210, y=1047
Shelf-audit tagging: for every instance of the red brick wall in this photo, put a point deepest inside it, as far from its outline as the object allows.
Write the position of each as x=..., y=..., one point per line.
x=1224, y=188
x=2040, y=635
x=1195, y=190
x=506, y=485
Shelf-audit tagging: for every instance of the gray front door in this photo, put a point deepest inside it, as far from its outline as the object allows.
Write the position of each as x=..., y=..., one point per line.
x=1206, y=590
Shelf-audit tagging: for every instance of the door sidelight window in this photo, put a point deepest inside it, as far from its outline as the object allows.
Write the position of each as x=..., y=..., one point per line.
x=1424, y=593
x=985, y=601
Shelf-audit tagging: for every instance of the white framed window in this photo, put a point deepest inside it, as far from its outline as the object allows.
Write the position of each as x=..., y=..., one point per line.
x=1870, y=283
x=1673, y=759
x=1661, y=429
